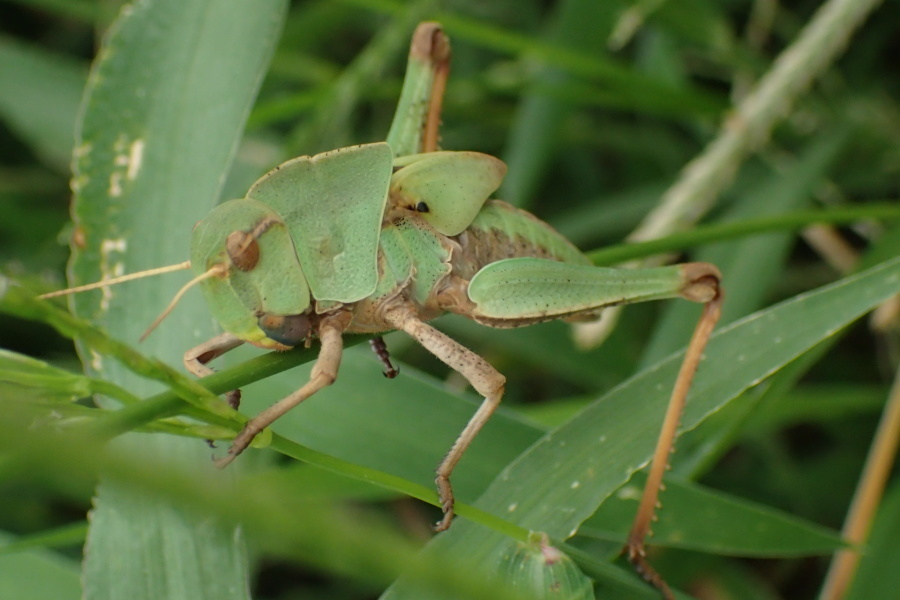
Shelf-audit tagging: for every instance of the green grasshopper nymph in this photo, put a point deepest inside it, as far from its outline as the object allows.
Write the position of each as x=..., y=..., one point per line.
x=389, y=235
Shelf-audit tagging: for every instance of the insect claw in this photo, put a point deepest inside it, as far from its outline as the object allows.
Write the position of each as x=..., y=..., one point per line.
x=221, y=463
x=445, y=495
x=381, y=351
x=233, y=398
x=444, y=524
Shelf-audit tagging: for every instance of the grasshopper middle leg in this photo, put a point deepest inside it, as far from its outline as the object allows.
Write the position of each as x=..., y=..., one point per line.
x=381, y=351
x=486, y=380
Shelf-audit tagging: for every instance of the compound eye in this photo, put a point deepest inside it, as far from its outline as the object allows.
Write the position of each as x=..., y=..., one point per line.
x=289, y=330
x=243, y=250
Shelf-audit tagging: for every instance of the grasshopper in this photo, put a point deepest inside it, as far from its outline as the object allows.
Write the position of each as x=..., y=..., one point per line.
x=387, y=236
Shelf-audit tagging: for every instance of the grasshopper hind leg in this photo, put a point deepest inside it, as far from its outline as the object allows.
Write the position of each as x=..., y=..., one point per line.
x=702, y=285
x=486, y=380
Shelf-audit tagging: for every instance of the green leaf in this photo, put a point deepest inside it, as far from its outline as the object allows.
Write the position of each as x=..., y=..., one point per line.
x=698, y=518
x=759, y=259
x=594, y=441
x=599, y=167
x=163, y=114
x=879, y=568
x=37, y=574
x=39, y=98
x=17, y=369
x=536, y=129
x=67, y=535
x=283, y=519
x=562, y=479
x=51, y=383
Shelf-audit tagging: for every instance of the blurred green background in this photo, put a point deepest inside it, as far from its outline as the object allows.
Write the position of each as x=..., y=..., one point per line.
x=596, y=107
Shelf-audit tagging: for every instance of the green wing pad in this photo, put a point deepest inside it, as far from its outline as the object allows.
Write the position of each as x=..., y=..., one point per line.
x=275, y=284
x=333, y=204
x=412, y=249
x=396, y=262
x=447, y=188
x=536, y=288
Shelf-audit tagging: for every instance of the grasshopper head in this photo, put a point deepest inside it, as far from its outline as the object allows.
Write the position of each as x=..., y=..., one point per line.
x=257, y=291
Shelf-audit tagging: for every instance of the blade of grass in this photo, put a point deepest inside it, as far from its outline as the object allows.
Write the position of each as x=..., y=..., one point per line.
x=163, y=113
x=561, y=480
x=37, y=574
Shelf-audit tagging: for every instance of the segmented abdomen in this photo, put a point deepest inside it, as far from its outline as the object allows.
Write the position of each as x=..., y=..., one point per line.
x=503, y=231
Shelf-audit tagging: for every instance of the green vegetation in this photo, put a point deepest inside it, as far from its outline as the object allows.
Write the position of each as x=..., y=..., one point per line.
x=596, y=107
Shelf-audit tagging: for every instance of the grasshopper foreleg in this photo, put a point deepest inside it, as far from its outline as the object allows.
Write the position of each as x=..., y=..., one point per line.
x=196, y=358
x=323, y=374
x=486, y=380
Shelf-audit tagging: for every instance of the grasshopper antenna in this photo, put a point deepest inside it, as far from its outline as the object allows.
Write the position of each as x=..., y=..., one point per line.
x=116, y=280
x=214, y=271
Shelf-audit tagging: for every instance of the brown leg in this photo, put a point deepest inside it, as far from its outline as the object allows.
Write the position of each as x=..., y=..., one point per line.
x=706, y=286
x=196, y=358
x=323, y=374
x=486, y=380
